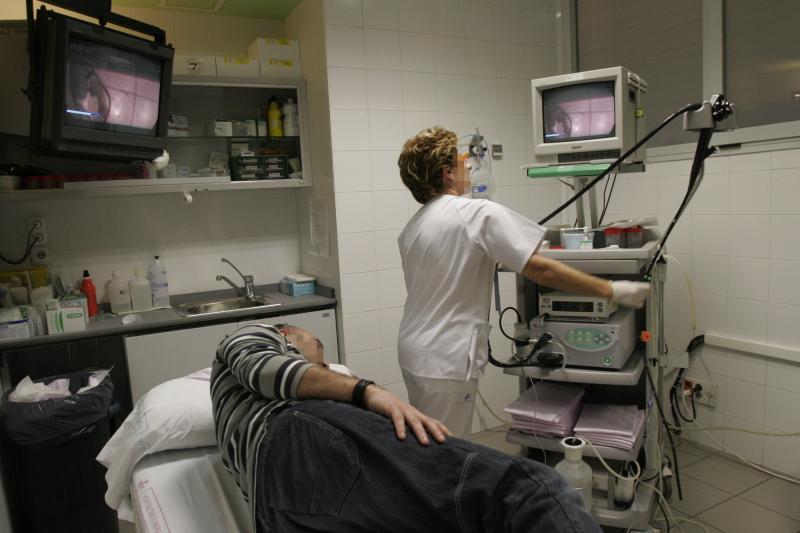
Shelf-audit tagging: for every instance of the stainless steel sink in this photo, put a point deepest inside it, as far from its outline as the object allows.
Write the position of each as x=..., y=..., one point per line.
x=208, y=307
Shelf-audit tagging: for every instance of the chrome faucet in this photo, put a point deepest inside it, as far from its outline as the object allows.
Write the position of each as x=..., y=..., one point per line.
x=248, y=291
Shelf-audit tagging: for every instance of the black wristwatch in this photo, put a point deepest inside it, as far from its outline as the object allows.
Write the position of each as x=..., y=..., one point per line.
x=358, y=392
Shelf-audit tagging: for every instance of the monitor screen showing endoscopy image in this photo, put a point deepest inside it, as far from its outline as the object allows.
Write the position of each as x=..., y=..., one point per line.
x=110, y=89
x=578, y=112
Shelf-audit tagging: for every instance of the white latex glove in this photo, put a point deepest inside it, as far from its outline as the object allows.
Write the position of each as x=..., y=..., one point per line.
x=630, y=293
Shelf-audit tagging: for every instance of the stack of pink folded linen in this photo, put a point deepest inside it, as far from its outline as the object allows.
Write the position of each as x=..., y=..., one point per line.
x=617, y=426
x=548, y=409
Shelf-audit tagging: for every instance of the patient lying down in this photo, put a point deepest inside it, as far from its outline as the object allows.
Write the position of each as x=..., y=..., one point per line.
x=316, y=450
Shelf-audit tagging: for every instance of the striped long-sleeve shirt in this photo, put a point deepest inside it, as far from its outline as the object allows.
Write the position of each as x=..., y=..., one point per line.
x=255, y=372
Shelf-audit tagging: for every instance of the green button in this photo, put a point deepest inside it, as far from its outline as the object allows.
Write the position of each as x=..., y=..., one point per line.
x=607, y=361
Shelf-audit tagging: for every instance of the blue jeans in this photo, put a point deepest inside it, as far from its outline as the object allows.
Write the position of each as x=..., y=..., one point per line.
x=329, y=466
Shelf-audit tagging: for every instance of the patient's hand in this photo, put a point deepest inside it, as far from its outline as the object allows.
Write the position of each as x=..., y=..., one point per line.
x=384, y=402
x=309, y=344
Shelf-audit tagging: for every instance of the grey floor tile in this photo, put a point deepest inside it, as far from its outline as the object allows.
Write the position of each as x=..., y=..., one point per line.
x=725, y=474
x=496, y=440
x=689, y=453
x=738, y=515
x=697, y=497
x=777, y=495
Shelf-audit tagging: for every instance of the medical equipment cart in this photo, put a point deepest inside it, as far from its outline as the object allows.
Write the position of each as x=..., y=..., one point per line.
x=628, y=385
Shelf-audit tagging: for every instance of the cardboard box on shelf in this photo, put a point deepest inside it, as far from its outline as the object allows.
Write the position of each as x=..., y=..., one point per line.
x=281, y=69
x=237, y=67
x=265, y=48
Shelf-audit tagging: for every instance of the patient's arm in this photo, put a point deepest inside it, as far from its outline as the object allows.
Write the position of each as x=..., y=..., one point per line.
x=324, y=384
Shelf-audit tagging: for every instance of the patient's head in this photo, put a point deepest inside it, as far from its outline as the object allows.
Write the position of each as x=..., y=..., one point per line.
x=305, y=341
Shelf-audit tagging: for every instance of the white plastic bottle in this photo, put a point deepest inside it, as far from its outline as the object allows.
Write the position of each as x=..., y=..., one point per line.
x=118, y=293
x=575, y=470
x=141, y=297
x=159, y=287
x=291, y=120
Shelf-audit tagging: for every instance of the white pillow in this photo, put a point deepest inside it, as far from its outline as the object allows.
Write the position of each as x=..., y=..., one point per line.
x=174, y=415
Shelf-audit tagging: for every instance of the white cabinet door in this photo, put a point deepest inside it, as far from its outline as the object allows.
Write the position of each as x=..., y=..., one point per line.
x=320, y=323
x=158, y=357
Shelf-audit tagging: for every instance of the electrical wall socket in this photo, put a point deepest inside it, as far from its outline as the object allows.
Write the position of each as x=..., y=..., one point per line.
x=40, y=225
x=707, y=395
x=40, y=255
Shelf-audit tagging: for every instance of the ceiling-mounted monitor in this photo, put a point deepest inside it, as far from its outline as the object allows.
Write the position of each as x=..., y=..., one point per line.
x=588, y=116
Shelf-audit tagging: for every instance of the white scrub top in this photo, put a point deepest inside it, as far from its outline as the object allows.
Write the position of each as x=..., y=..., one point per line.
x=449, y=250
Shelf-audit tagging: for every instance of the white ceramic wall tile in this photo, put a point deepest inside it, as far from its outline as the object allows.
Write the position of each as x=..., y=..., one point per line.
x=510, y=24
x=785, y=191
x=709, y=274
x=712, y=196
x=513, y=96
x=481, y=94
x=384, y=90
x=745, y=400
x=451, y=55
x=748, y=278
x=515, y=132
x=347, y=88
x=350, y=129
x=391, y=209
x=510, y=58
x=354, y=212
x=390, y=325
x=416, y=52
x=381, y=14
x=508, y=171
x=366, y=365
x=747, y=319
x=749, y=192
x=361, y=332
x=385, y=173
x=448, y=17
x=344, y=46
x=385, y=130
x=480, y=20
x=746, y=162
x=747, y=445
x=451, y=93
x=515, y=198
x=784, y=281
x=749, y=235
x=359, y=292
x=782, y=325
x=675, y=168
x=351, y=171
x=781, y=410
x=717, y=164
x=419, y=92
x=710, y=234
x=714, y=358
x=676, y=309
x=481, y=56
x=675, y=277
x=712, y=313
x=416, y=15
x=356, y=252
x=540, y=28
x=784, y=376
x=391, y=365
x=398, y=389
x=643, y=195
x=382, y=49
x=786, y=159
x=671, y=190
x=386, y=249
x=783, y=236
x=391, y=288
x=343, y=12
x=746, y=368
x=487, y=123
x=416, y=121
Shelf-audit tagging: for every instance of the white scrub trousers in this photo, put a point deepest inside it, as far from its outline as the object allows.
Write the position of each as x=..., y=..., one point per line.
x=451, y=401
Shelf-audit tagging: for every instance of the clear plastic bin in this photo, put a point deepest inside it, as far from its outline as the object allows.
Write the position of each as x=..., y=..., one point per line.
x=634, y=237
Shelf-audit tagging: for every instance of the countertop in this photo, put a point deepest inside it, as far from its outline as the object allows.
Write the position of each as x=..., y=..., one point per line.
x=168, y=319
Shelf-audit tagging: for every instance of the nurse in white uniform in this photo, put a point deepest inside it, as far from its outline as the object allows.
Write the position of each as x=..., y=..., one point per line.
x=449, y=250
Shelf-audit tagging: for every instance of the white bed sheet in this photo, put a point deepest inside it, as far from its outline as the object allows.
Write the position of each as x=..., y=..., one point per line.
x=187, y=491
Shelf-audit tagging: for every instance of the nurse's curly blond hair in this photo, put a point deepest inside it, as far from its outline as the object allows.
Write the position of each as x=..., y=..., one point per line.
x=423, y=159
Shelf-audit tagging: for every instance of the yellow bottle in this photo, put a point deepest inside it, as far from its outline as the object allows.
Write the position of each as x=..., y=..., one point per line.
x=274, y=119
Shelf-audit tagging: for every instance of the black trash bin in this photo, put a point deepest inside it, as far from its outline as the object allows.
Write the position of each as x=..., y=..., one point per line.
x=60, y=486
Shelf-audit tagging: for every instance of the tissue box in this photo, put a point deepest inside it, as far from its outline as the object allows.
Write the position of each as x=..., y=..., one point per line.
x=297, y=285
x=66, y=320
